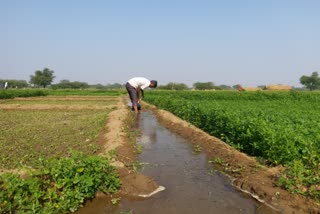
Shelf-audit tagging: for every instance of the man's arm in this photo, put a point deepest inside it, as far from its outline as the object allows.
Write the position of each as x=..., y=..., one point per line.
x=138, y=93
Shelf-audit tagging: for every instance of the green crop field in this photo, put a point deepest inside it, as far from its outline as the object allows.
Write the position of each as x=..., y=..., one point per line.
x=95, y=102
x=30, y=135
x=12, y=93
x=57, y=148
x=87, y=92
x=278, y=127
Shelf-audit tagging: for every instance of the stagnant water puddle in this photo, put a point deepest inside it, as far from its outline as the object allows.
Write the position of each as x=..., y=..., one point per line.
x=191, y=184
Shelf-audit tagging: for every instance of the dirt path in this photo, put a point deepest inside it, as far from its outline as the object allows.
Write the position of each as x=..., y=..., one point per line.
x=116, y=138
x=249, y=176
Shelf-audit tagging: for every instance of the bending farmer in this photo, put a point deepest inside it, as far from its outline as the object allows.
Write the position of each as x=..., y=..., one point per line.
x=136, y=85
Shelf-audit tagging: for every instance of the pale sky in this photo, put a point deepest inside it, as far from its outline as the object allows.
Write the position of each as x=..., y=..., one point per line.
x=248, y=42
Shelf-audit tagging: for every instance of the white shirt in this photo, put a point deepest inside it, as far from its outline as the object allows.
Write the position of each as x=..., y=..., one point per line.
x=139, y=81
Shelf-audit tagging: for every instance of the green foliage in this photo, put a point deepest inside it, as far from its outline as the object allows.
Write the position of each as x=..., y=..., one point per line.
x=15, y=83
x=65, y=84
x=42, y=78
x=12, y=93
x=174, y=86
x=86, y=92
x=203, y=85
x=58, y=185
x=29, y=135
x=311, y=82
x=280, y=127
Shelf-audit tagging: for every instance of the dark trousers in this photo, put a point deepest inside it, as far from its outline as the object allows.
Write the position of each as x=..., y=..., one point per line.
x=133, y=94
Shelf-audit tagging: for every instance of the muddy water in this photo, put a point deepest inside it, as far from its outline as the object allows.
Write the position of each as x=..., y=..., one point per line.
x=191, y=184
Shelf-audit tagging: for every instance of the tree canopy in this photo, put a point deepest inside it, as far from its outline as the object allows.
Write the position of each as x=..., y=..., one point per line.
x=204, y=85
x=311, y=82
x=42, y=78
x=64, y=84
x=174, y=86
x=15, y=83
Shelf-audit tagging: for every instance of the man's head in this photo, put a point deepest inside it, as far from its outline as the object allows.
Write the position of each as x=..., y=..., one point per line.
x=153, y=84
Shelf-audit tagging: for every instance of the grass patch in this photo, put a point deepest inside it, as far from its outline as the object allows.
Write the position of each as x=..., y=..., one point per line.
x=29, y=135
x=87, y=92
x=74, y=102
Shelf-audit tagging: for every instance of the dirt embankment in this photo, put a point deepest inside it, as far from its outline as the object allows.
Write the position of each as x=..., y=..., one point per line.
x=247, y=174
x=120, y=132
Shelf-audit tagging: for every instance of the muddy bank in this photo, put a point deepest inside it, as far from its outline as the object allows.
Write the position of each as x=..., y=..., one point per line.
x=248, y=174
x=120, y=137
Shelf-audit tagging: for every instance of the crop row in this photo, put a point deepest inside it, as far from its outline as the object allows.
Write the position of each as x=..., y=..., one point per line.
x=12, y=93
x=281, y=127
x=9, y=94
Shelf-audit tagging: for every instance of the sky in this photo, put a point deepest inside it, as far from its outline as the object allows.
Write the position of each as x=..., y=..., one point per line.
x=247, y=42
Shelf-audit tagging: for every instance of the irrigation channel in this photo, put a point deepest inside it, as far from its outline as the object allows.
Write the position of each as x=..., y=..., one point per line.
x=192, y=186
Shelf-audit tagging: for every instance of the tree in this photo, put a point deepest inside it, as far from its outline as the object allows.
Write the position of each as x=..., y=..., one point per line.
x=15, y=83
x=311, y=82
x=114, y=86
x=64, y=84
x=174, y=86
x=203, y=85
x=42, y=78
x=223, y=87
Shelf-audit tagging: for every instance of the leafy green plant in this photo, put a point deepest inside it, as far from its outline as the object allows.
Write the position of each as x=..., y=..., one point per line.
x=58, y=186
x=277, y=127
x=12, y=93
x=217, y=160
x=115, y=201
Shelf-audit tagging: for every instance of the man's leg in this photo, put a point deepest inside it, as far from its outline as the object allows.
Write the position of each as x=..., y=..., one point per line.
x=133, y=95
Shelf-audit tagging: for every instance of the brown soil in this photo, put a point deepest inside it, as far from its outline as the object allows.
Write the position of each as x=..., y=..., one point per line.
x=247, y=174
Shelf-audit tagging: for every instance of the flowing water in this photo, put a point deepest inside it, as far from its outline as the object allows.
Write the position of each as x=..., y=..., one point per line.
x=192, y=186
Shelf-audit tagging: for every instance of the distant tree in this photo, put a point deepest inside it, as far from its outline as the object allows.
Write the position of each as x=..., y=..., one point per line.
x=16, y=83
x=42, y=78
x=311, y=82
x=223, y=87
x=114, y=86
x=174, y=86
x=66, y=84
x=64, y=81
x=236, y=86
x=203, y=85
x=98, y=86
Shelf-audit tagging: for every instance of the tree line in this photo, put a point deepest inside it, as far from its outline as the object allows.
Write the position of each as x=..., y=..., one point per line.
x=44, y=78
